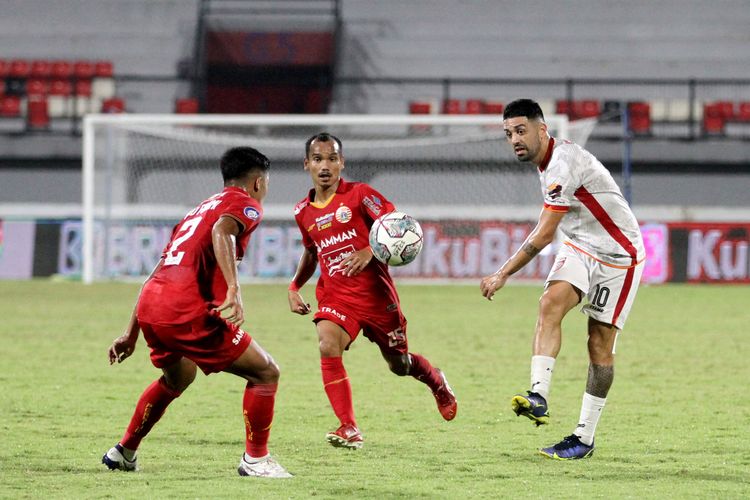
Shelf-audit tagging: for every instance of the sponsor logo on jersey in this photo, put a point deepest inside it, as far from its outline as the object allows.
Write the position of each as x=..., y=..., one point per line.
x=251, y=213
x=324, y=221
x=554, y=191
x=310, y=228
x=343, y=214
x=373, y=203
x=334, y=258
x=336, y=239
x=333, y=311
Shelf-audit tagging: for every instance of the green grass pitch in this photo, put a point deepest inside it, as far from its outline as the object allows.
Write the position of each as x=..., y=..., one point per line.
x=675, y=425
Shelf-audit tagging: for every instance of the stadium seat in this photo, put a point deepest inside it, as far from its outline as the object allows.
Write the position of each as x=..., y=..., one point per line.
x=587, y=108
x=563, y=107
x=474, y=107
x=494, y=107
x=60, y=102
x=420, y=107
x=19, y=68
x=61, y=70
x=659, y=110
x=103, y=83
x=452, y=107
x=713, y=118
x=83, y=70
x=113, y=105
x=4, y=68
x=37, y=113
x=743, y=111
x=639, y=114
x=103, y=69
x=186, y=105
x=36, y=87
x=10, y=106
x=15, y=86
x=82, y=96
x=678, y=111
x=611, y=112
x=40, y=69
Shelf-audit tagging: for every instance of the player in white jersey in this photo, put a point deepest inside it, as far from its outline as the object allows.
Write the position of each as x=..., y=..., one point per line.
x=601, y=257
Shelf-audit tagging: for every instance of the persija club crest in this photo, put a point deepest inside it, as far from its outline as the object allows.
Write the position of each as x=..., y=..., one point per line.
x=344, y=214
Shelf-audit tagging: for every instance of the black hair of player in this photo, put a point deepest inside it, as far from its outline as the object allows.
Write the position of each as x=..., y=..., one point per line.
x=237, y=163
x=523, y=107
x=322, y=137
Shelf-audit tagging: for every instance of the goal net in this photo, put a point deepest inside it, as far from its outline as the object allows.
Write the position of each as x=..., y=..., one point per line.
x=142, y=173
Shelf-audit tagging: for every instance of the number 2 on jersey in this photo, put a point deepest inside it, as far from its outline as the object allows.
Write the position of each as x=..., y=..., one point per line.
x=187, y=229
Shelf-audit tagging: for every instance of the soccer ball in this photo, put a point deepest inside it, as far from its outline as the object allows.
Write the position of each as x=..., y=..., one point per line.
x=396, y=239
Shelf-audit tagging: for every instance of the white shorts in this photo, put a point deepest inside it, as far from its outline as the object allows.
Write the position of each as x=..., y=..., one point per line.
x=610, y=290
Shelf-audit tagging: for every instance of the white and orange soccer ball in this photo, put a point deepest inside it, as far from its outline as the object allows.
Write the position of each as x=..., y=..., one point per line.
x=396, y=239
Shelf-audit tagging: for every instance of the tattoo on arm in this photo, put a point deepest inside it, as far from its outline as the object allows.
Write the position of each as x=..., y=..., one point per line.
x=530, y=250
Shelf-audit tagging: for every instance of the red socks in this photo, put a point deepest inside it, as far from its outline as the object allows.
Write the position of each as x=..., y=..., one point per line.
x=151, y=406
x=422, y=370
x=258, y=412
x=339, y=390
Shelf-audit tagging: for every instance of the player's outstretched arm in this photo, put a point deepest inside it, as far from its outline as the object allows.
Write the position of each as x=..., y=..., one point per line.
x=305, y=269
x=224, y=239
x=540, y=237
x=124, y=345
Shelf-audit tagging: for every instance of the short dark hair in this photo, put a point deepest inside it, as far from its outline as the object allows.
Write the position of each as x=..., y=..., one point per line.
x=236, y=163
x=322, y=137
x=523, y=107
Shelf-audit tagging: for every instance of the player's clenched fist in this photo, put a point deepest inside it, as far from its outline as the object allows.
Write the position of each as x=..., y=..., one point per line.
x=121, y=348
x=491, y=284
x=297, y=304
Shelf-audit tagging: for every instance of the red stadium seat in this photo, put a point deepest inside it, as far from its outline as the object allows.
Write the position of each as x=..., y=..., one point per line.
x=83, y=88
x=186, y=105
x=40, y=69
x=113, y=105
x=83, y=70
x=37, y=113
x=452, y=107
x=420, y=108
x=713, y=118
x=726, y=108
x=640, y=117
x=62, y=70
x=36, y=87
x=474, y=107
x=586, y=109
x=743, y=111
x=103, y=69
x=4, y=68
x=494, y=107
x=19, y=68
x=10, y=106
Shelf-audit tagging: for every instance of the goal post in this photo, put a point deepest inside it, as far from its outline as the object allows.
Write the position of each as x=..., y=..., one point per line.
x=143, y=172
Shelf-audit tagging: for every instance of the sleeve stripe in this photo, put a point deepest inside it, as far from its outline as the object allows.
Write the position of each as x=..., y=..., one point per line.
x=556, y=208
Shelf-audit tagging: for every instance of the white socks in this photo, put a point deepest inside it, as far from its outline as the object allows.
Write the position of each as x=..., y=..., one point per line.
x=591, y=410
x=541, y=374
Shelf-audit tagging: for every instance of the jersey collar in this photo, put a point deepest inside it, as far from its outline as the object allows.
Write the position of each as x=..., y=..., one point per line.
x=339, y=189
x=235, y=189
x=547, y=155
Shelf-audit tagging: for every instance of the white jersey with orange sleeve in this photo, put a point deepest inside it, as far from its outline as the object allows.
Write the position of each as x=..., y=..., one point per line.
x=598, y=220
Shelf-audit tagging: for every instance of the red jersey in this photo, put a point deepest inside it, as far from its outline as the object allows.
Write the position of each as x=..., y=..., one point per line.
x=338, y=228
x=190, y=282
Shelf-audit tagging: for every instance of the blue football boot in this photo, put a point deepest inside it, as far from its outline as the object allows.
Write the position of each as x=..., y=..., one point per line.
x=532, y=406
x=570, y=448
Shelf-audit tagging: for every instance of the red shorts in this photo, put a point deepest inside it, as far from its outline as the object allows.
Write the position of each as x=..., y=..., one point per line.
x=210, y=341
x=385, y=327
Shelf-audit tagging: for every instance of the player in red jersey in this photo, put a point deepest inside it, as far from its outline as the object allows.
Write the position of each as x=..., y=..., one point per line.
x=355, y=292
x=180, y=311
